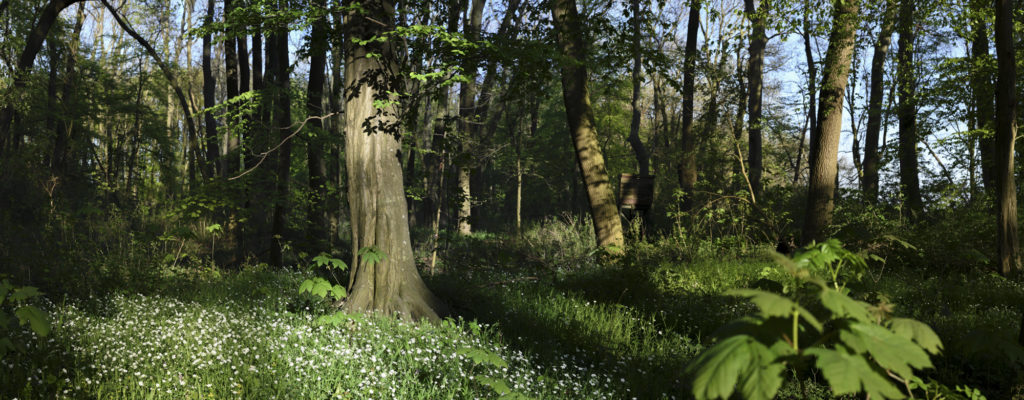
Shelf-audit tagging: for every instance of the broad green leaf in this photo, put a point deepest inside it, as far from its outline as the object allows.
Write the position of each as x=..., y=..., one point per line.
x=843, y=306
x=320, y=287
x=306, y=286
x=499, y=386
x=23, y=293
x=338, y=292
x=717, y=371
x=763, y=376
x=773, y=305
x=917, y=331
x=481, y=356
x=36, y=319
x=5, y=287
x=372, y=255
x=889, y=350
x=851, y=374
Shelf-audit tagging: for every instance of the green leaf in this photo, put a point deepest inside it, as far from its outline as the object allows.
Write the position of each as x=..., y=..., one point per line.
x=306, y=286
x=481, y=356
x=499, y=386
x=843, y=306
x=372, y=255
x=773, y=305
x=851, y=374
x=24, y=293
x=320, y=287
x=917, y=331
x=5, y=287
x=890, y=351
x=36, y=319
x=737, y=362
x=338, y=292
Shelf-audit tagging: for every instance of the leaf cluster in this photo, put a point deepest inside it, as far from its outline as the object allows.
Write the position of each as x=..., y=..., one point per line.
x=15, y=310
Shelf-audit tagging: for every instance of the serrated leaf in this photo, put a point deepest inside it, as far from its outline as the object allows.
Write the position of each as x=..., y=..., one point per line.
x=306, y=286
x=372, y=255
x=499, y=386
x=320, y=287
x=851, y=374
x=917, y=331
x=773, y=305
x=843, y=306
x=763, y=376
x=338, y=292
x=481, y=356
x=36, y=319
x=723, y=368
x=24, y=293
x=890, y=351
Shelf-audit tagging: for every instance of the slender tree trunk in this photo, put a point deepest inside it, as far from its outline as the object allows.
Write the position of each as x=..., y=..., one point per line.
x=64, y=132
x=580, y=115
x=812, y=92
x=376, y=194
x=825, y=149
x=737, y=126
x=755, y=73
x=688, y=164
x=467, y=116
x=229, y=161
x=317, y=228
x=906, y=77
x=1006, y=134
x=209, y=96
x=872, y=161
x=642, y=158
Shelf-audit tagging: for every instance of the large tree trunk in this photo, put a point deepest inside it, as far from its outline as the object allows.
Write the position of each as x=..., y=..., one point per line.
x=755, y=79
x=825, y=149
x=688, y=164
x=209, y=96
x=467, y=116
x=580, y=115
x=642, y=158
x=1006, y=134
x=907, y=109
x=981, y=87
x=874, y=125
x=376, y=192
x=314, y=150
x=283, y=119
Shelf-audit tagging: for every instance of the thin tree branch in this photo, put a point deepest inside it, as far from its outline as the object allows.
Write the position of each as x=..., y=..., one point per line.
x=265, y=154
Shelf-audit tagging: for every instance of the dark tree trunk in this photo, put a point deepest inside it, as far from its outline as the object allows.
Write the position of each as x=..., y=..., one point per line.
x=871, y=153
x=209, y=99
x=229, y=162
x=907, y=109
x=317, y=228
x=825, y=149
x=468, y=115
x=812, y=91
x=64, y=138
x=688, y=164
x=283, y=119
x=580, y=115
x=981, y=86
x=376, y=192
x=642, y=158
x=755, y=76
x=1006, y=134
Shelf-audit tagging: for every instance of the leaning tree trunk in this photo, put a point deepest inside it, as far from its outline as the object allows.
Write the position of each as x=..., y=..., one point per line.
x=755, y=79
x=376, y=192
x=874, y=126
x=825, y=149
x=1006, y=133
x=688, y=165
x=905, y=77
x=580, y=115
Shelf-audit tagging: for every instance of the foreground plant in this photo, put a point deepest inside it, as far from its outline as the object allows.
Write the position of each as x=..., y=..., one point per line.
x=15, y=311
x=858, y=347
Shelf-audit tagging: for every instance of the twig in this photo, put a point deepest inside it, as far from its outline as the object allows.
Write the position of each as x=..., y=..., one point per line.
x=265, y=154
x=743, y=170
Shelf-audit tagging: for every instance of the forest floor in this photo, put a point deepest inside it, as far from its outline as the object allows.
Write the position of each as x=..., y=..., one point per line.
x=543, y=317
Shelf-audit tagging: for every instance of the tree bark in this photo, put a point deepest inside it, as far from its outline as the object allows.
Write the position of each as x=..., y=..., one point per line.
x=467, y=116
x=755, y=76
x=209, y=99
x=376, y=195
x=981, y=86
x=229, y=162
x=907, y=109
x=871, y=154
x=642, y=158
x=317, y=228
x=1006, y=133
x=812, y=92
x=283, y=119
x=825, y=149
x=580, y=116
x=688, y=164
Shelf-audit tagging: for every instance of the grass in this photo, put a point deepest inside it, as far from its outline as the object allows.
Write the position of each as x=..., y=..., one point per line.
x=568, y=326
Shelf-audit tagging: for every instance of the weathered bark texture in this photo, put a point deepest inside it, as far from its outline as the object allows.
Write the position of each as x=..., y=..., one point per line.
x=643, y=160
x=755, y=78
x=688, y=164
x=376, y=193
x=1006, y=133
x=825, y=149
x=907, y=110
x=874, y=125
x=580, y=115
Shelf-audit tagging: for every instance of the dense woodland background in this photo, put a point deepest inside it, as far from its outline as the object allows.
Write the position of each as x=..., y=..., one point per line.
x=463, y=157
